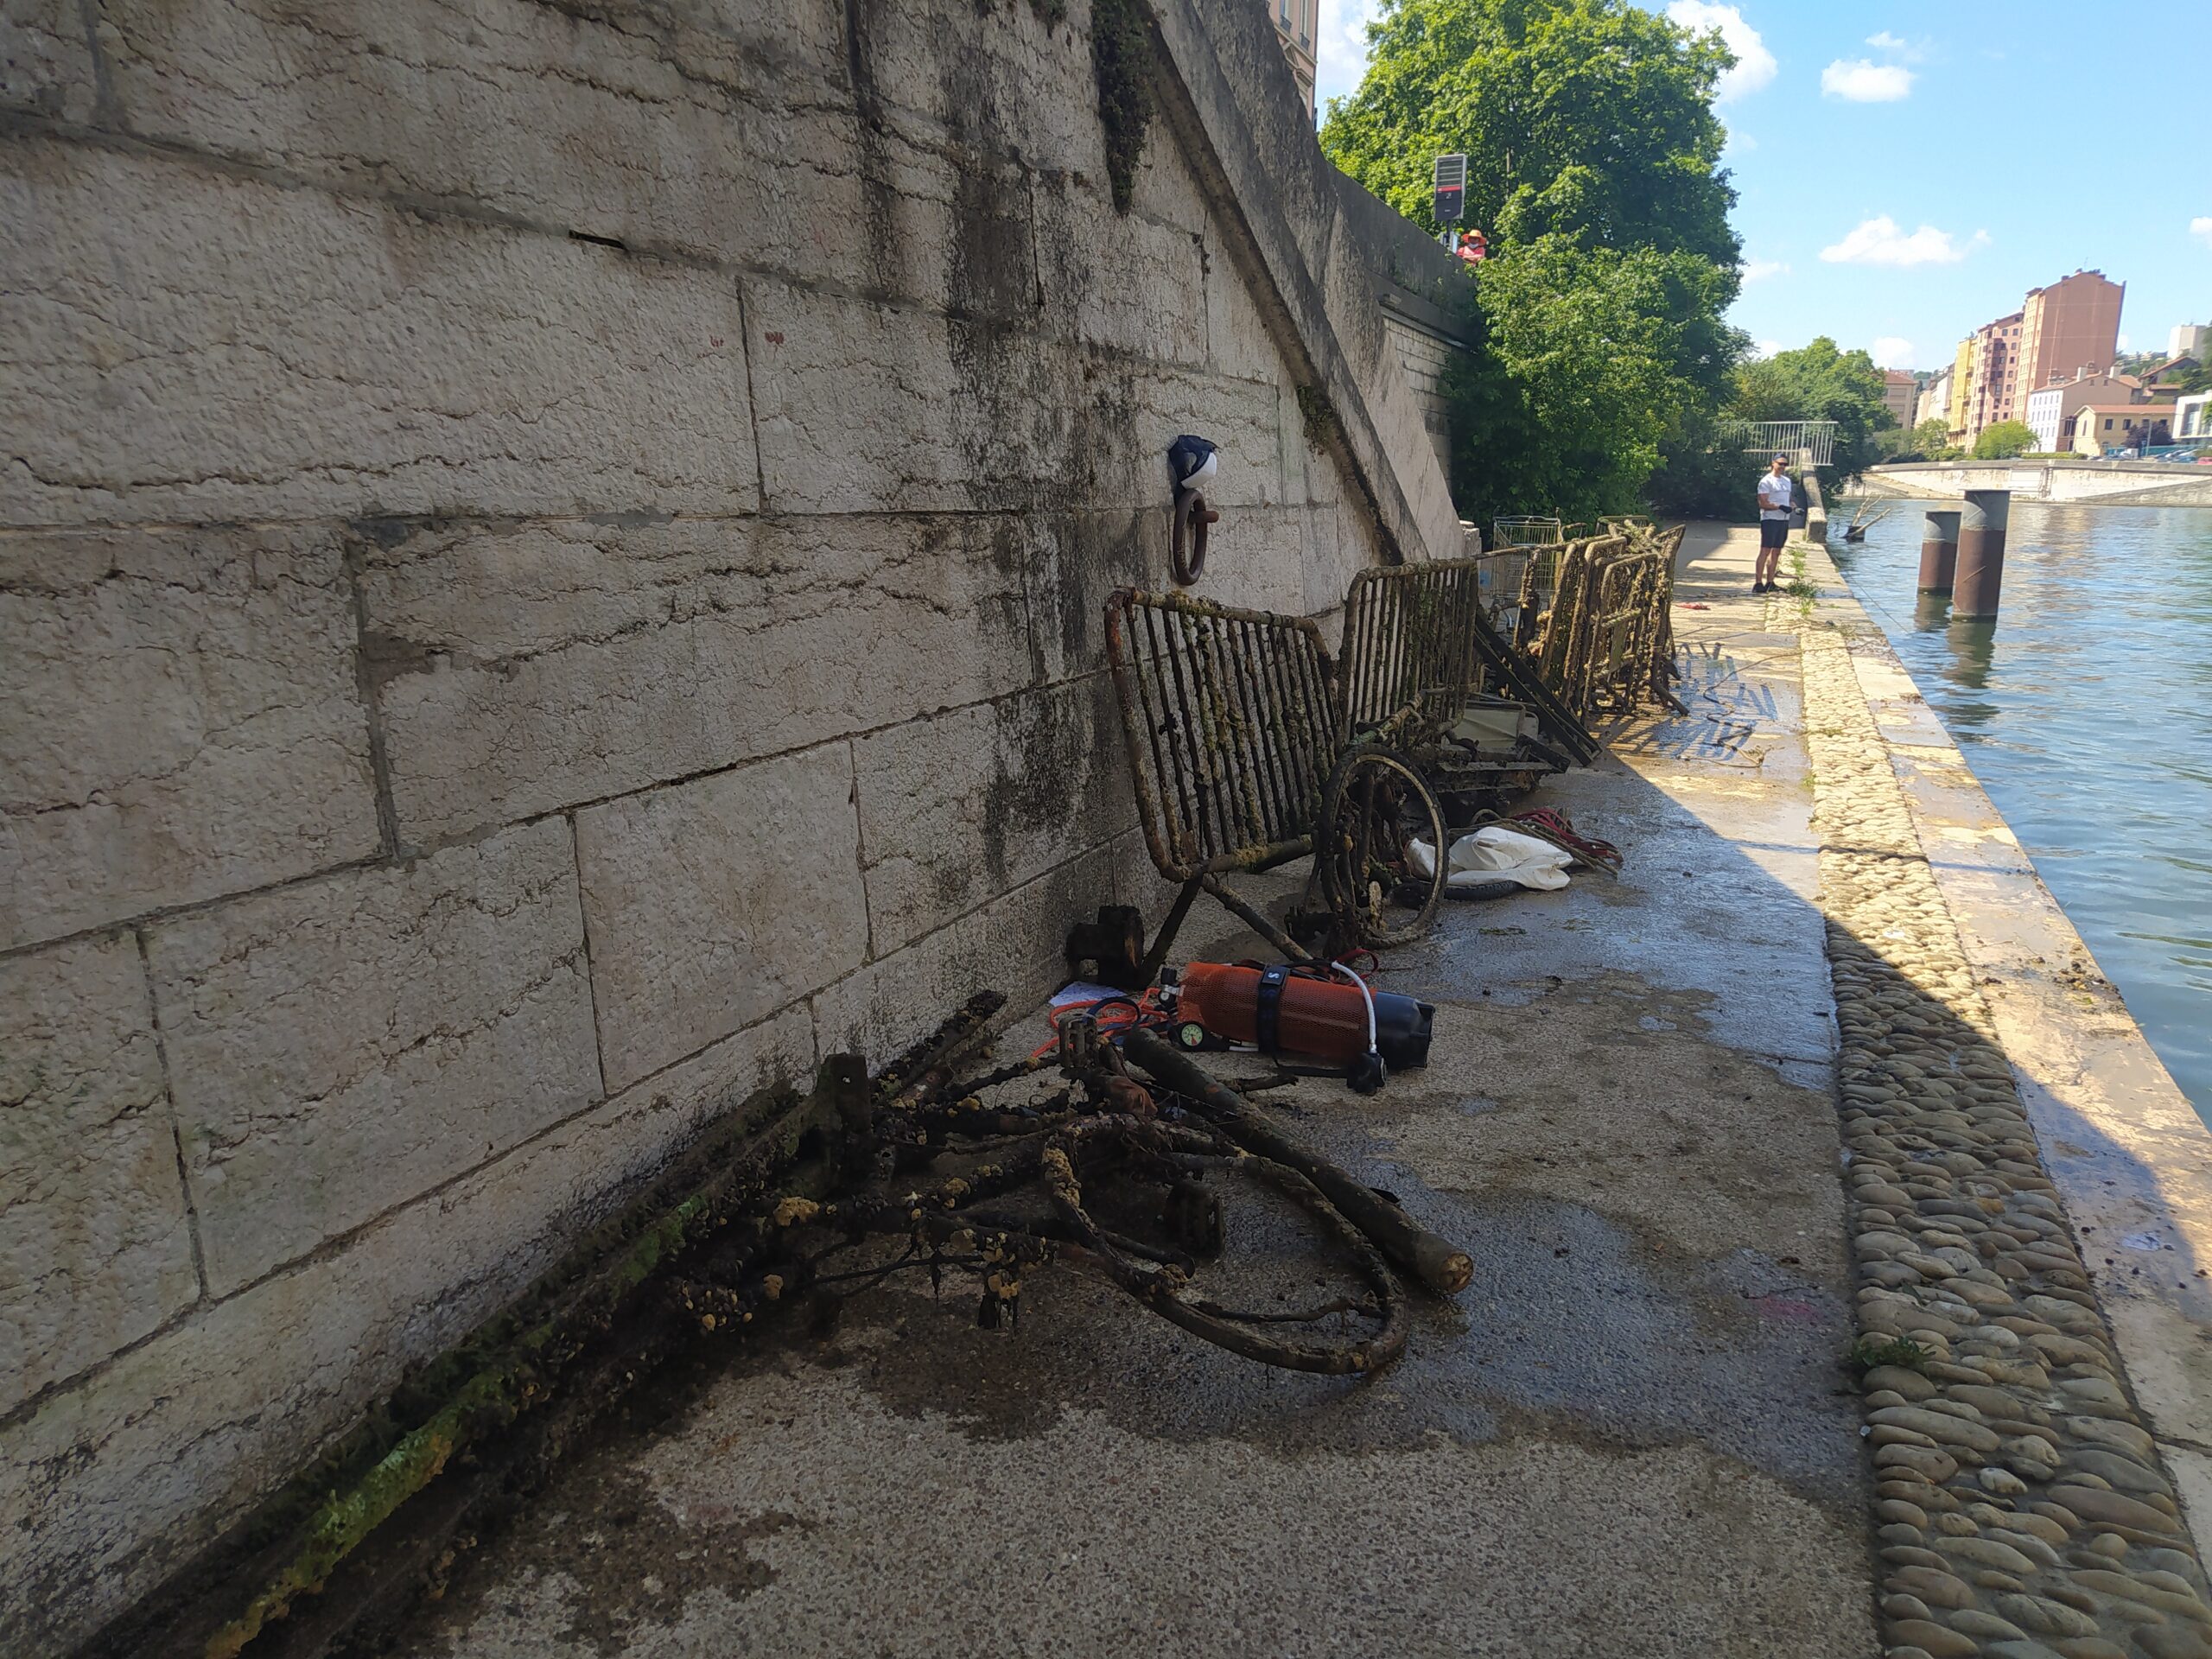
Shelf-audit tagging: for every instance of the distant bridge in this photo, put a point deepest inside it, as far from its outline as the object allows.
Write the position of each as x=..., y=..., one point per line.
x=2112, y=483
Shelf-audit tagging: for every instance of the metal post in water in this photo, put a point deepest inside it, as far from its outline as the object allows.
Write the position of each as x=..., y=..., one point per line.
x=1982, y=556
x=1939, y=551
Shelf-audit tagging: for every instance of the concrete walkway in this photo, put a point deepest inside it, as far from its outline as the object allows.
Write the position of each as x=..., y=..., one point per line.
x=1634, y=1435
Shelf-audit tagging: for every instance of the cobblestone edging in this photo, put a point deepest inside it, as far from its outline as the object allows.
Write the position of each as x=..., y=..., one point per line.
x=2022, y=1512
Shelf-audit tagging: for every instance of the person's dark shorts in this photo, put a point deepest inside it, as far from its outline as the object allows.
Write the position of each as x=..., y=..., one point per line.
x=1773, y=532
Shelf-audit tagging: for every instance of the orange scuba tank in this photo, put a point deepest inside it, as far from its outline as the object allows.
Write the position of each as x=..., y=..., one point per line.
x=1282, y=1010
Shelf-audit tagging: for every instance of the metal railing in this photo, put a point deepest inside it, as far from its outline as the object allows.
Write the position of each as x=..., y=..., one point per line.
x=1812, y=443
x=1524, y=530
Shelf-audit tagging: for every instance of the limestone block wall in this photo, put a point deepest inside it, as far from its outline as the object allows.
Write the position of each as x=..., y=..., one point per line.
x=550, y=567
x=1425, y=356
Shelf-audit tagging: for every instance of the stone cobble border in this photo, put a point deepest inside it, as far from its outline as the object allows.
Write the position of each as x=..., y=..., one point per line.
x=2021, y=1510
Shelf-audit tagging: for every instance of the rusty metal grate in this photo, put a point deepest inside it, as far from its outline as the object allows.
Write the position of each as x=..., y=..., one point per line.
x=1231, y=718
x=1408, y=650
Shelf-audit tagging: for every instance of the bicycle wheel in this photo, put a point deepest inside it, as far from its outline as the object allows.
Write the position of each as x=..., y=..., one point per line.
x=1375, y=806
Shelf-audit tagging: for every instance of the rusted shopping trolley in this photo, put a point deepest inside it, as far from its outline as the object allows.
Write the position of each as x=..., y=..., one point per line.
x=1606, y=641
x=1423, y=670
x=1235, y=730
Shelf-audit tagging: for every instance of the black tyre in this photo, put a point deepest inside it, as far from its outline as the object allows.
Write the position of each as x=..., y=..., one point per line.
x=1375, y=806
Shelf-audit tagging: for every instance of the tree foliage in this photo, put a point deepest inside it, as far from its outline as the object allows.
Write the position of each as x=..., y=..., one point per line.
x=1819, y=382
x=1595, y=362
x=2004, y=440
x=1929, y=441
x=1593, y=166
x=1590, y=118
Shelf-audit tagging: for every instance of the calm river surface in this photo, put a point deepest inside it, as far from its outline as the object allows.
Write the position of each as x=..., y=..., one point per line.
x=2086, y=711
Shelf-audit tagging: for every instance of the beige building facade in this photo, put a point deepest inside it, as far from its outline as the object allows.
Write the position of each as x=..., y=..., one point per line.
x=1296, y=22
x=2050, y=410
x=2101, y=428
x=1900, y=390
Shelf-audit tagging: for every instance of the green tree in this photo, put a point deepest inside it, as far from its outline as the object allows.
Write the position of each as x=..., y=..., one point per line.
x=1929, y=441
x=2004, y=440
x=1591, y=118
x=1595, y=363
x=1593, y=166
x=1819, y=382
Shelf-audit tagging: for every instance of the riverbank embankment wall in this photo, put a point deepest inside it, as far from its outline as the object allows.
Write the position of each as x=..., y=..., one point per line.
x=551, y=562
x=2121, y=1146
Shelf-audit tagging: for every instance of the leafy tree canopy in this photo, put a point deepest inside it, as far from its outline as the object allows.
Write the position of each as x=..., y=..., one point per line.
x=2004, y=440
x=1929, y=441
x=1596, y=363
x=1593, y=166
x=1590, y=118
x=1819, y=382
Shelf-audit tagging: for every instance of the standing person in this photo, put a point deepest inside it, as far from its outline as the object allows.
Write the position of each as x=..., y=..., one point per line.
x=1777, y=496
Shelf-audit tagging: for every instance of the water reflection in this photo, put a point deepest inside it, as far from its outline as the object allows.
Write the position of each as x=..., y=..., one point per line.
x=1972, y=645
x=2087, y=720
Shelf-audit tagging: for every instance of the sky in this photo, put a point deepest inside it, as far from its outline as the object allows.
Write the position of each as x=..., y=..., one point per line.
x=1906, y=172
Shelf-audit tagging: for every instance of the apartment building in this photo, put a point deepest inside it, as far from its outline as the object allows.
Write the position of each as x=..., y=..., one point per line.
x=1899, y=388
x=1936, y=400
x=2072, y=324
x=1996, y=347
x=2062, y=331
x=1295, y=23
x=2050, y=411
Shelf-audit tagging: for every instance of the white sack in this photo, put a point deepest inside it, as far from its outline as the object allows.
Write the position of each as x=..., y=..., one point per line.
x=1494, y=853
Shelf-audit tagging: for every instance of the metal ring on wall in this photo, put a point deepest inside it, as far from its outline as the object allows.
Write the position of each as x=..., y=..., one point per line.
x=1187, y=543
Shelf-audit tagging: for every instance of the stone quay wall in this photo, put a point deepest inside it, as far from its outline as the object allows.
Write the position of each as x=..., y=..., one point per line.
x=551, y=561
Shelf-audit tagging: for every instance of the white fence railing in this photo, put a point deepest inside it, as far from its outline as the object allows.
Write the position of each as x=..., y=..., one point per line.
x=1812, y=442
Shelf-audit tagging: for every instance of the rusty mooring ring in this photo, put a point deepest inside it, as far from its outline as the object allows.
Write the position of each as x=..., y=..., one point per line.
x=1191, y=510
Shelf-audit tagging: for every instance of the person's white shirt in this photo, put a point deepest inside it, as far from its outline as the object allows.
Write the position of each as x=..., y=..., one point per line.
x=1774, y=495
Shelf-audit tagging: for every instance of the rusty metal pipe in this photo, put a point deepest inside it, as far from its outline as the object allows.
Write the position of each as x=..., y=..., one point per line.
x=1939, y=551
x=1981, y=575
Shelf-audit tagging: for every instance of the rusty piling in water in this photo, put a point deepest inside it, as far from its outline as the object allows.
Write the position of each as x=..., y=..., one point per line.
x=1980, y=570
x=1939, y=551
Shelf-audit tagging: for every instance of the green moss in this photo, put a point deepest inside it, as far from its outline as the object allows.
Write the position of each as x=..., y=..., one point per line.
x=1120, y=59
x=1873, y=1350
x=1322, y=427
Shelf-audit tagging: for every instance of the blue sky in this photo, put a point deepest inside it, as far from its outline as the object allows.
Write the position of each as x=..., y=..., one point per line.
x=1907, y=171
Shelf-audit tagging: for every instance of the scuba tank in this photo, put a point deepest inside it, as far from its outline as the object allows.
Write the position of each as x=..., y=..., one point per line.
x=1320, y=1013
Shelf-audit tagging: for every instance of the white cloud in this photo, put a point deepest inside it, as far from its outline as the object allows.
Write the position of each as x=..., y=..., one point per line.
x=1757, y=270
x=1765, y=347
x=1755, y=64
x=2201, y=228
x=1885, y=42
x=1892, y=353
x=1880, y=242
x=1861, y=81
x=1340, y=49
x=2119, y=343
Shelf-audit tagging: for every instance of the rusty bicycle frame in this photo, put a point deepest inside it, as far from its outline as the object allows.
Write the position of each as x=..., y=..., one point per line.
x=1232, y=718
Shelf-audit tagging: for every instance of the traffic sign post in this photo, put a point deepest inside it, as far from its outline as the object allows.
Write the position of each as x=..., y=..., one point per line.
x=1451, y=185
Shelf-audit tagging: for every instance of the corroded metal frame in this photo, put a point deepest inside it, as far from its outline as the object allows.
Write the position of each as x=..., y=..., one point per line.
x=1232, y=719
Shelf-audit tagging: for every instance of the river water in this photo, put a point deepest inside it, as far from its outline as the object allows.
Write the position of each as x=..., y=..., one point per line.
x=2086, y=713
